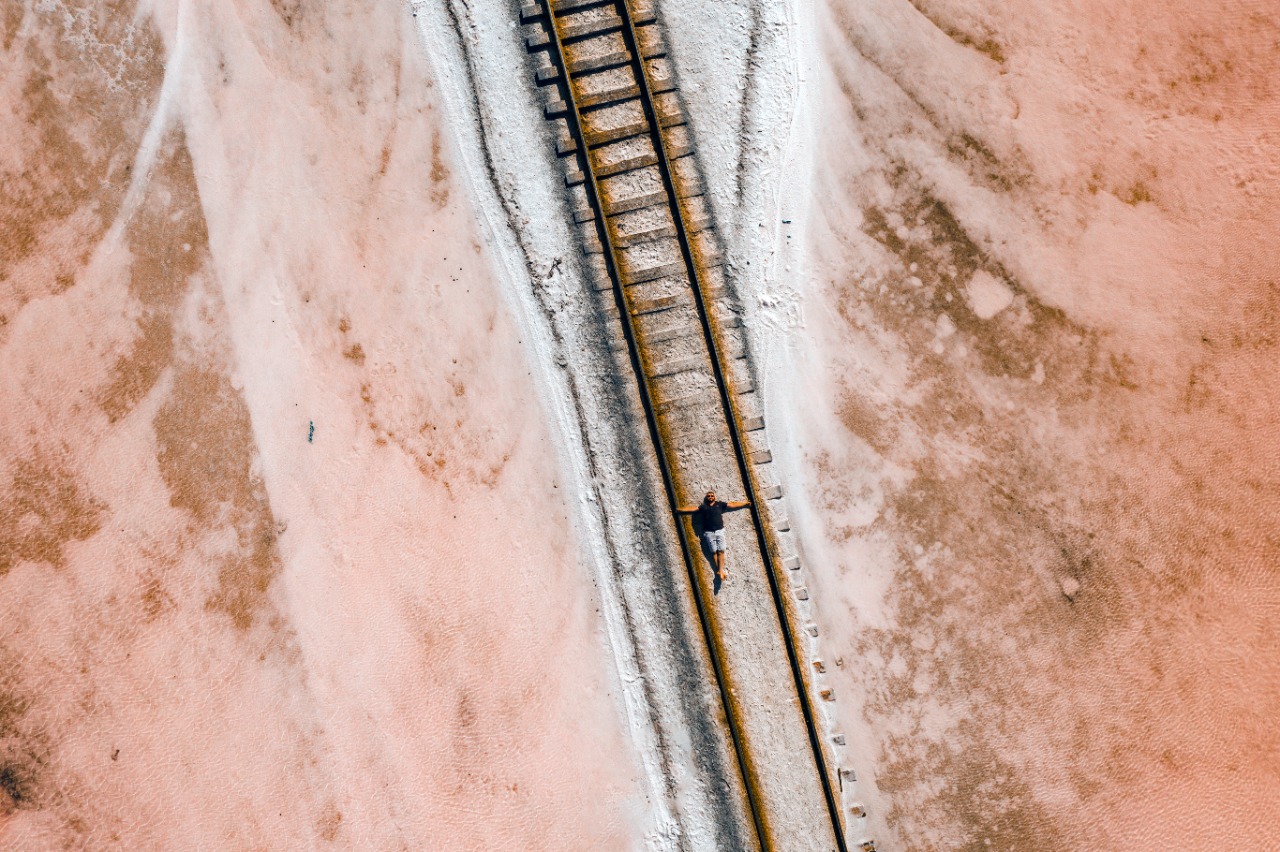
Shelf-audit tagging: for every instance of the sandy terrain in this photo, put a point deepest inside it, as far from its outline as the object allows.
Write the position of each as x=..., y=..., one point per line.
x=285, y=556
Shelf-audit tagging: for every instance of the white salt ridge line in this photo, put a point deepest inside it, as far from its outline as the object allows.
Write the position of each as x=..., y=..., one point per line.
x=784, y=398
x=552, y=385
x=162, y=117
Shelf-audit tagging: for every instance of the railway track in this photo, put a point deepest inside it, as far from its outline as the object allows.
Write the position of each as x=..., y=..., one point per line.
x=651, y=244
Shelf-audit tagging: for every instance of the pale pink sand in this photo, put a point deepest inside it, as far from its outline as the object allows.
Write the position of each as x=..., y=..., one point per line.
x=221, y=226
x=1041, y=417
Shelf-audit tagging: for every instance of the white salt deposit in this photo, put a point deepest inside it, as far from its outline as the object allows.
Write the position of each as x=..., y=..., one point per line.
x=987, y=294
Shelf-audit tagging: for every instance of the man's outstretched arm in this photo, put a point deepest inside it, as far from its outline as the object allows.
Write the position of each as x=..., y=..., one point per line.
x=686, y=510
x=741, y=504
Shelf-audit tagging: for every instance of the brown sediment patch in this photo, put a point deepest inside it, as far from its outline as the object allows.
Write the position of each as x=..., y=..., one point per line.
x=206, y=457
x=292, y=12
x=439, y=191
x=983, y=796
x=135, y=373
x=89, y=80
x=155, y=599
x=935, y=261
x=44, y=510
x=10, y=20
x=167, y=234
x=23, y=754
x=329, y=824
x=1202, y=74
x=1136, y=194
x=861, y=418
x=985, y=42
x=985, y=167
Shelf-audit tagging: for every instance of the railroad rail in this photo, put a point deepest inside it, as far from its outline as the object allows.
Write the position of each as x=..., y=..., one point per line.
x=650, y=240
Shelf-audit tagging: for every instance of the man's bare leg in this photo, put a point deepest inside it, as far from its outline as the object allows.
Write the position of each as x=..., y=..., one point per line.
x=720, y=570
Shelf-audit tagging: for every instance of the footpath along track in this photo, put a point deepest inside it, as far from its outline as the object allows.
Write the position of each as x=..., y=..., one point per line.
x=652, y=246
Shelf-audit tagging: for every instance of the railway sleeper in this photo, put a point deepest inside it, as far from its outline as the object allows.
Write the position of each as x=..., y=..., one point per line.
x=677, y=366
x=613, y=59
x=610, y=97
x=663, y=335
x=600, y=279
x=587, y=29
x=676, y=403
x=696, y=224
x=634, y=203
x=596, y=138
x=709, y=260
x=562, y=6
x=533, y=11
x=691, y=188
x=653, y=273
x=640, y=15
x=628, y=165
x=653, y=306
x=648, y=236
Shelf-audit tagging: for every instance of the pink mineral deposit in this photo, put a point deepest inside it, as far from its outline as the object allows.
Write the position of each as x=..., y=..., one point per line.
x=283, y=557
x=297, y=549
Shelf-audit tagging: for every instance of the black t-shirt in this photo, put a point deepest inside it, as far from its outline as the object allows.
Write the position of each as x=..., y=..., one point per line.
x=711, y=515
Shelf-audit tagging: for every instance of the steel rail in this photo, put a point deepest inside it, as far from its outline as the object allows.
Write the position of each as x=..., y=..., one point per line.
x=638, y=362
x=767, y=543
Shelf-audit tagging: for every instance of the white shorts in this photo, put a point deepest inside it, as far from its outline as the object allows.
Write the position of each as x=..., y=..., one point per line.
x=714, y=540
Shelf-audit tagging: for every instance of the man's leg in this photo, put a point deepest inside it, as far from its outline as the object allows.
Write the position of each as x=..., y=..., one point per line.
x=724, y=575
